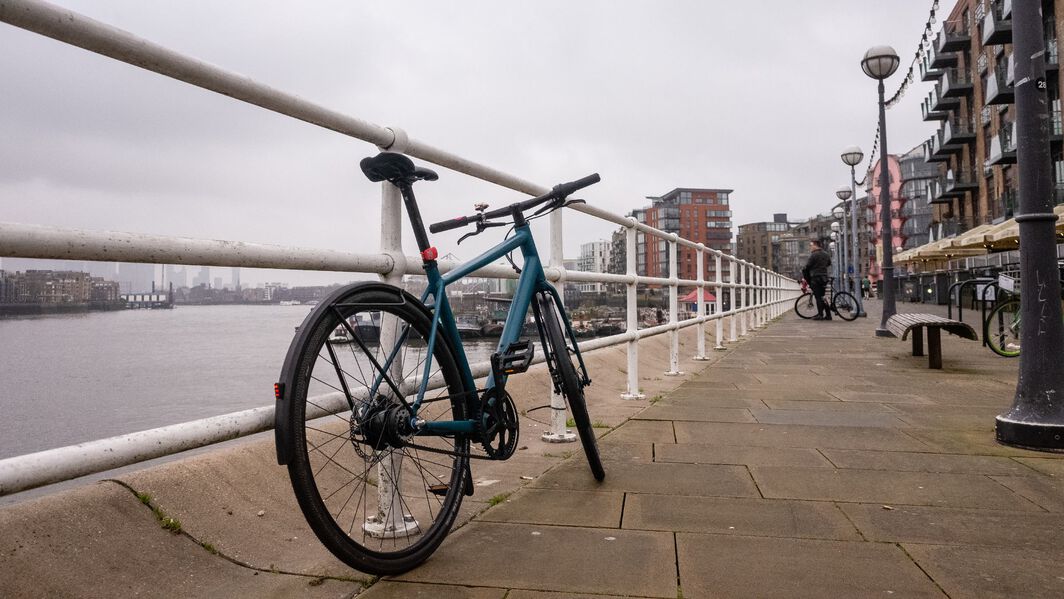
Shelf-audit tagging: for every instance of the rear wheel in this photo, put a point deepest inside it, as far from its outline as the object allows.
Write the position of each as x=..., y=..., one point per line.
x=845, y=305
x=1002, y=329
x=805, y=306
x=379, y=495
x=564, y=373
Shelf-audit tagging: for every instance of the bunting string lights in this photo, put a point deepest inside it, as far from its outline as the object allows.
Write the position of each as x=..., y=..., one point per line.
x=921, y=50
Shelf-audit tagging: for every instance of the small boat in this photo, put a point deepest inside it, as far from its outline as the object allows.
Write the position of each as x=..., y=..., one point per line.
x=366, y=327
x=491, y=329
x=468, y=327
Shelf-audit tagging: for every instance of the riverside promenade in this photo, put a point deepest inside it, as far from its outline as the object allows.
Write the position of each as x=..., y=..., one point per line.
x=809, y=459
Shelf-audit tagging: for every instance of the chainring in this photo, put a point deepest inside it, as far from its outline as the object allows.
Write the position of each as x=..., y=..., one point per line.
x=498, y=426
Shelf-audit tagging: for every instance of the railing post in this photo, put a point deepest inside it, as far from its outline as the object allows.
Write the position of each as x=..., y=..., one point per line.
x=557, y=433
x=390, y=519
x=762, y=298
x=719, y=302
x=734, y=295
x=674, y=307
x=700, y=329
x=743, y=278
x=632, y=314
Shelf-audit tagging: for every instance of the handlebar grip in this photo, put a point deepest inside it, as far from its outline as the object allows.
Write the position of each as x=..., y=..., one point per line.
x=447, y=225
x=564, y=189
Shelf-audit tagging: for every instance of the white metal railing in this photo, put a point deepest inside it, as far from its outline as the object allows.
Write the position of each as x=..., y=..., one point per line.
x=757, y=295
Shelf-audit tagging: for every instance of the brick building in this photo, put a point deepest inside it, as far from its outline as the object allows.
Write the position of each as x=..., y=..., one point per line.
x=759, y=243
x=971, y=67
x=55, y=287
x=700, y=215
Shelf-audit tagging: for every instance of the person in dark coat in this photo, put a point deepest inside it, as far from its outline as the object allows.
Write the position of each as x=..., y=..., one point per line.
x=816, y=274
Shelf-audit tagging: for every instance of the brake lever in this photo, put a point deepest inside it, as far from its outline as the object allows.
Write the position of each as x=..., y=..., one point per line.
x=481, y=227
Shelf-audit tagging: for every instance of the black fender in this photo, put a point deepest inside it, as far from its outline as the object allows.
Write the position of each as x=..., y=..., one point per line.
x=283, y=434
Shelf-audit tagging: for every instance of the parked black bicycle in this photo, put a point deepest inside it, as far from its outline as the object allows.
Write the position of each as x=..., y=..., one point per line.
x=840, y=302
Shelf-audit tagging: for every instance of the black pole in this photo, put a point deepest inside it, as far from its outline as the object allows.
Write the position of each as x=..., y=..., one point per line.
x=1036, y=419
x=886, y=231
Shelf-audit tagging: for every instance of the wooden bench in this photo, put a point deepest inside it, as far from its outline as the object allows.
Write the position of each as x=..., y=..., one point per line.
x=901, y=324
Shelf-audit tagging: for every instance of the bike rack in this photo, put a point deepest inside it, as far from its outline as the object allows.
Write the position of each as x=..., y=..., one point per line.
x=960, y=302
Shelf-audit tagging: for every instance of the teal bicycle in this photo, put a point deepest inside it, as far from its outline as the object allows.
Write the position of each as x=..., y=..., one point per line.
x=378, y=412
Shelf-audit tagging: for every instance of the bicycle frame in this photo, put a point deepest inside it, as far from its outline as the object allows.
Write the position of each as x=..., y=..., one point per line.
x=531, y=282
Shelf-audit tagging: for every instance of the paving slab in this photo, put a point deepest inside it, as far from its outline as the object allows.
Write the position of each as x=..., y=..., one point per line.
x=523, y=594
x=748, y=517
x=641, y=431
x=880, y=397
x=797, y=435
x=968, y=441
x=708, y=480
x=782, y=392
x=824, y=418
x=697, y=413
x=1044, y=491
x=697, y=453
x=834, y=405
x=741, y=567
x=561, y=507
x=612, y=451
x=554, y=558
x=905, y=461
x=1050, y=466
x=389, y=589
x=950, y=526
x=717, y=400
x=990, y=573
x=884, y=487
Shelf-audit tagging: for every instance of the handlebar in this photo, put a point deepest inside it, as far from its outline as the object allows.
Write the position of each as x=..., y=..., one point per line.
x=557, y=193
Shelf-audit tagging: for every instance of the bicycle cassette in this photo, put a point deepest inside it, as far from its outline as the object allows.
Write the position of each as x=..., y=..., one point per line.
x=498, y=425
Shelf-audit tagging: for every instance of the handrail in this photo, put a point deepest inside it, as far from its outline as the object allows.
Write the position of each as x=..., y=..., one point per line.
x=757, y=294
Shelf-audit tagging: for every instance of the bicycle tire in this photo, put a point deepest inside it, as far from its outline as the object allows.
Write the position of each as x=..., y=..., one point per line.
x=845, y=305
x=1002, y=329
x=567, y=380
x=805, y=306
x=339, y=456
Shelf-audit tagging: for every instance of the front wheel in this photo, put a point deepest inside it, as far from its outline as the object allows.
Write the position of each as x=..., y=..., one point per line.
x=566, y=378
x=845, y=305
x=805, y=306
x=1002, y=329
x=380, y=495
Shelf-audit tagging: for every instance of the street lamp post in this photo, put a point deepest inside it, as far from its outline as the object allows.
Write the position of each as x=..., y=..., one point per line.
x=879, y=63
x=844, y=253
x=1036, y=418
x=852, y=156
x=839, y=238
x=834, y=255
x=850, y=247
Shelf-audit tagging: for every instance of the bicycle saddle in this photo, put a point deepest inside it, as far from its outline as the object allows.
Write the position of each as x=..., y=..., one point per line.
x=394, y=167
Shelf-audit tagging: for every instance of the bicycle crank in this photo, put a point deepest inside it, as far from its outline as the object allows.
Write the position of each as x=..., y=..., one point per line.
x=497, y=425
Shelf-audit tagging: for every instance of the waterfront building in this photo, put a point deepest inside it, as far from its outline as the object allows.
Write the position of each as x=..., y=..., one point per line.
x=594, y=257
x=698, y=214
x=759, y=243
x=971, y=67
x=44, y=287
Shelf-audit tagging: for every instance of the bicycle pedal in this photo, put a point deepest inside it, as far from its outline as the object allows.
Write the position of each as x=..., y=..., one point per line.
x=514, y=358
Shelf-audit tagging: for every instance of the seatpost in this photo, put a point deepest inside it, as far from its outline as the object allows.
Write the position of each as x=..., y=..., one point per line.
x=415, y=219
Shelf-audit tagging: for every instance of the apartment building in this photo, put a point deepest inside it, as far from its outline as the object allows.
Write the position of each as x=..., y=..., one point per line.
x=698, y=214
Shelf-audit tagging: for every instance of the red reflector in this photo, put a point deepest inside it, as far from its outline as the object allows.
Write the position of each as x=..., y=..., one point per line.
x=429, y=254
x=277, y=391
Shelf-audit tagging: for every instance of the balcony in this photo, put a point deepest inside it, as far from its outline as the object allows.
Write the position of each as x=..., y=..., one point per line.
x=1003, y=146
x=936, y=192
x=981, y=63
x=940, y=104
x=1052, y=55
x=940, y=60
x=928, y=72
x=957, y=83
x=997, y=29
x=1056, y=131
x=932, y=115
x=933, y=151
x=1010, y=72
x=997, y=91
x=953, y=37
x=956, y=133
x=1006, y=9
x=960, y=183
x=984, y=116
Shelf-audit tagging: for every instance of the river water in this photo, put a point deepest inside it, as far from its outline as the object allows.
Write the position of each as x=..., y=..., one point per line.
x=80, y=377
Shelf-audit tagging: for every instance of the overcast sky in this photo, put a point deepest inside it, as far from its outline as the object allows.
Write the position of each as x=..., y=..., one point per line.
x=759, y=97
